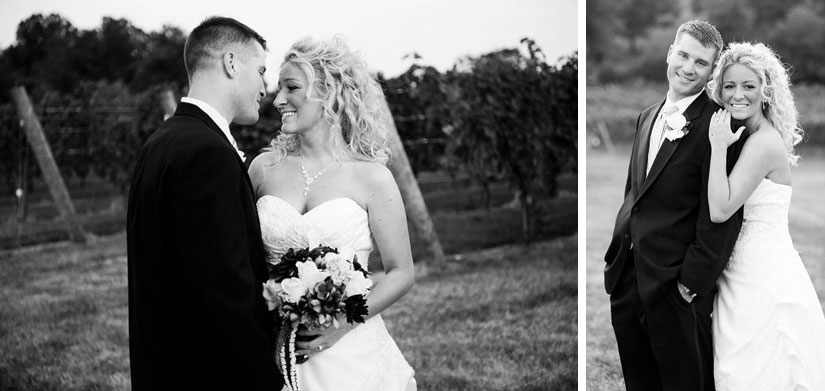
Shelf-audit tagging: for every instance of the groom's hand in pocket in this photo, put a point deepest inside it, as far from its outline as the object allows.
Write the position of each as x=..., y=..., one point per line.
x=686, y=294
x=311, y=342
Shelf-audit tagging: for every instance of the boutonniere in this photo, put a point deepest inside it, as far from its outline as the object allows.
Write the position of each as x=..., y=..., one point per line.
x=678, y=126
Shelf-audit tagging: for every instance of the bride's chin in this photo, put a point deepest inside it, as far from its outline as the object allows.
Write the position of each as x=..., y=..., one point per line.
x=739, y=116
x=288, y=130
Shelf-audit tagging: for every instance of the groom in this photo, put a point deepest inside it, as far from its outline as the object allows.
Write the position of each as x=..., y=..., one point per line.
x=666, y=254
x=197, y=318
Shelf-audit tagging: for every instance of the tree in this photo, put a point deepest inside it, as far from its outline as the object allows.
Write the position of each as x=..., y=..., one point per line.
x=515, y=117
x=601, y=30
x=734, y=19
x=765, y=12
x=41, y=57
x=162, y=60
x=471, y=149
x=799, y=40
x=417, y=100
x=121, y=46
x=640, y=15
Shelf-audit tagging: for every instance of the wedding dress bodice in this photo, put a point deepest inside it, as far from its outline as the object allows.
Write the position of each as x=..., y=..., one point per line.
x=765, y=221
x=366, y=358
x=338, y=223
x=768, y=325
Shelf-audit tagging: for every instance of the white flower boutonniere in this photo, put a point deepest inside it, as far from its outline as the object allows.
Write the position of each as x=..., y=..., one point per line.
x=677, y=127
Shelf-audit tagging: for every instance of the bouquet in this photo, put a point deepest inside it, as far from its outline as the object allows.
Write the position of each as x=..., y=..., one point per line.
x=312, y=288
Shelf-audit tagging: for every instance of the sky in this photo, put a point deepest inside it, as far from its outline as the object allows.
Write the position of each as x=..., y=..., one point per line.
x=441, y=31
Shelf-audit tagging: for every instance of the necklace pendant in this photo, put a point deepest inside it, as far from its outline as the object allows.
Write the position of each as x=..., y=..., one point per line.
x=308, y=180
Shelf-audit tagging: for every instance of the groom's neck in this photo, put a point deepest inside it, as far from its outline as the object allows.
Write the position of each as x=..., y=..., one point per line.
x=213, y=94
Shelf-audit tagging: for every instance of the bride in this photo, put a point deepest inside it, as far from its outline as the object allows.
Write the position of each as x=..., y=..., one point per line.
x=768, y=325
x=324, y=181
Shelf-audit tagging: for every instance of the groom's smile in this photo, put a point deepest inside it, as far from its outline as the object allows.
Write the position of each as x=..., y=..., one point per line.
x=683, y=78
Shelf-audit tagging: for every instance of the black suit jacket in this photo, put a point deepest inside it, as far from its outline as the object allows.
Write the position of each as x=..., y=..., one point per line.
x=197, y=317
x=664, y=223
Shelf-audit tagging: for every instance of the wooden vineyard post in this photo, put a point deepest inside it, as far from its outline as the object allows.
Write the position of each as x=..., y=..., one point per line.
x=414, y=204
x=43, y=154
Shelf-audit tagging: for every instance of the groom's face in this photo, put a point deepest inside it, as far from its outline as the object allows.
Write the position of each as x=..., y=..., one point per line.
x=689, y=65
x=251, y=88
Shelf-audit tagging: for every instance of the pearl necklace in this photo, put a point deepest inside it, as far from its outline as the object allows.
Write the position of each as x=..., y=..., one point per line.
x=309, y=180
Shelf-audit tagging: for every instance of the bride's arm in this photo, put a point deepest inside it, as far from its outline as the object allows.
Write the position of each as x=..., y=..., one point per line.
x=388, y=223
x=726, y=194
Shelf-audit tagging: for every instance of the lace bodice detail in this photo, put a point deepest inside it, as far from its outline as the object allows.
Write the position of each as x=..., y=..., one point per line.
x=339, y=223
x=765, y=220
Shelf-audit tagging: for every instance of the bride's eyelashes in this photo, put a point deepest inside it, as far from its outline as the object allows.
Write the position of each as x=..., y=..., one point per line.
x=288, y=88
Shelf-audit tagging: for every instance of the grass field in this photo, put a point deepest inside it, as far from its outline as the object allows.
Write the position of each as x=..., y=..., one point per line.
x=605, y=183
x=491, y=318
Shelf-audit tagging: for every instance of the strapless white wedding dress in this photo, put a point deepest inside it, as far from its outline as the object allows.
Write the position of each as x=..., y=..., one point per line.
x=768, y=325
x=366, y=358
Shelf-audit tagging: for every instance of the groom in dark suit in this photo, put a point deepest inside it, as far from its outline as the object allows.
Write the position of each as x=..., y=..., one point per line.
x=666, y=254
x=197, y=317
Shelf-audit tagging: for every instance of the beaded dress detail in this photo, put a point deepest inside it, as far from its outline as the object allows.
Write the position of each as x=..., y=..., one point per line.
x=768, y=324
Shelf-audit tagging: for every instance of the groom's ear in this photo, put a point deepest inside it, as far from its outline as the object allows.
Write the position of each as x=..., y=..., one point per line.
x=229, y=60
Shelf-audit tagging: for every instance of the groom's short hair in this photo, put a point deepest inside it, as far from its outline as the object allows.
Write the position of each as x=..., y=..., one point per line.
x=211, y=38
x=703, y=32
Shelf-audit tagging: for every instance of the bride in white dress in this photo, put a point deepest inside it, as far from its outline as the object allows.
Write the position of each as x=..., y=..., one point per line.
x=324, y=181
x=768, y=324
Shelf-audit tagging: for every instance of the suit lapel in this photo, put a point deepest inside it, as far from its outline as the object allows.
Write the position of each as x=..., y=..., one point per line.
x=187, y=109
x=191, y=110
x=643, y=148
x=669, y=147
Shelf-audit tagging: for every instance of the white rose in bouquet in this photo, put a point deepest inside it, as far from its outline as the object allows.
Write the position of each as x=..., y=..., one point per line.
x=294, y=288
x=309, y=274
x=272, y=292
x=358, y=284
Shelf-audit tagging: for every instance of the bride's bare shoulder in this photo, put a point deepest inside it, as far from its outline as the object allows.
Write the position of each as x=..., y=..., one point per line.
x=266, y=164
x=372, y=173
x=767, y=142
x=373, y=181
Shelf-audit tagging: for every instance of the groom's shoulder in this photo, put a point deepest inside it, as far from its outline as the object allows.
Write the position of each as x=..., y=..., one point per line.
x=710, y=106
x=652, y=109
x=181, y=138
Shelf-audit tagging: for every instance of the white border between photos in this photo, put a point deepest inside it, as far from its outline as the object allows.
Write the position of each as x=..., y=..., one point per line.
x=582, y=198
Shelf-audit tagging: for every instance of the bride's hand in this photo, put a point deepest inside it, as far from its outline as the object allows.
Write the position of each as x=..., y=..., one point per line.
x=719, y=132
x=324, y=338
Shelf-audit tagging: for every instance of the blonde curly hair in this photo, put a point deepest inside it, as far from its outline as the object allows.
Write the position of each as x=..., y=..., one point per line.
x=353, y=102
x=779, y=107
